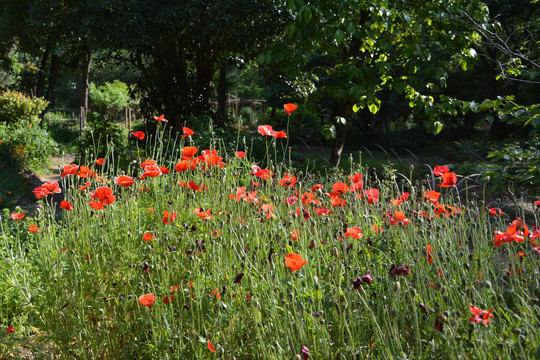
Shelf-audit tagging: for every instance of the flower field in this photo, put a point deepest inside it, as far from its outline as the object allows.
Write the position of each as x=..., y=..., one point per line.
x=196, y=253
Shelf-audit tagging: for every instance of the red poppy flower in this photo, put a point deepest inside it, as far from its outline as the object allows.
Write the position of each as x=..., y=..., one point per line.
x=264, y=174
x=289, y=108
x=440, y=170
x=449, y=180
x=69, y=170
x=147, y=300
x=317, y=187
x=182, y=165
x=85, y=186
x=294, y=261
x=168, y=217
x=96, y=205
x=188, y=152
x=10, y=329
x=210, y=346
x=295, y=235
x=265, y=130
x=138, y=134
x=496, y=211
x=288, y=180
x=147, y=236
x=372, y=195
x=164, y=170
x=432, y=196
x=100, y=161
x=33, y=228
x=205, y=215
x=480, y=315
x=66, y=205
x=105, y=195
x=398, y=217
x=354, y=232
x=444, y=210
x=160, y=118
x=17, y=217
x=537, y=203
x=168, y=299
x=151, y=171
x=84, y=172
x=341, y=187
x=337, y=200
x=40, y=192
x=322, y=211
x=147, y=162
x=279, y=134
x=240, y=154
x=124, y=180
x=52, y=187
x=187, y=132
x=429, y=257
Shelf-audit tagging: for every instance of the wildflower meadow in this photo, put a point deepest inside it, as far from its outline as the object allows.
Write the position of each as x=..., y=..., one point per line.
x=198, y=252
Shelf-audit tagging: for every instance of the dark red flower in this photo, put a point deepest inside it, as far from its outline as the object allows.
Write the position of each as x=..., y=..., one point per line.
x=399, y=270
x=305, y=352
x=10, y=329
x=238, y=278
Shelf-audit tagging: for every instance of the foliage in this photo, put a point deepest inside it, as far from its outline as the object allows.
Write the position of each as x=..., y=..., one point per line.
x=102, y=136
x=26, y=148
x=110, y=98
x=20, y=110
x=515, y=164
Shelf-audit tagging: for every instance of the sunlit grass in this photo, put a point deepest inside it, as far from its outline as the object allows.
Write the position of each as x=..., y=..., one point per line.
x=78, y=280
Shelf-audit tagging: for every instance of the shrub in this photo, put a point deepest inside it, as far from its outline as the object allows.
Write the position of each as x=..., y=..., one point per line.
x=110, y=98
x=26, y=148
x=102, y=134
x=19, y=109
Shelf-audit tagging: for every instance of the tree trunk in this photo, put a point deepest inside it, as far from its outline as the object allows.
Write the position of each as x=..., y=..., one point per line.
x=52, y=81
x=40, y=83
x=222, y=95
x=85, y=85
x=344, y=111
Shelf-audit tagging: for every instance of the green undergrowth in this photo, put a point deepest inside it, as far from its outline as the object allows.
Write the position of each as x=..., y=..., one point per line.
x=219, y=275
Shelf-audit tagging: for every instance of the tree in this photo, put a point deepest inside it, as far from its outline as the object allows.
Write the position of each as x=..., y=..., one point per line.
x=357, y=49
x=179, y=44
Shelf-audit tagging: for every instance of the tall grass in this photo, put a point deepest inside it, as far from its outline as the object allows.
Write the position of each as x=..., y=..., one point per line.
x=77, y=281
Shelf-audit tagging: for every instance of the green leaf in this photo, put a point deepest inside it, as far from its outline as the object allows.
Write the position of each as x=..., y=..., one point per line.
x=329, y=131
x=340, y=36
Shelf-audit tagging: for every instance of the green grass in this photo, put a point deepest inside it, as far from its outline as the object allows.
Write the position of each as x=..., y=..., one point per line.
x=75, y=284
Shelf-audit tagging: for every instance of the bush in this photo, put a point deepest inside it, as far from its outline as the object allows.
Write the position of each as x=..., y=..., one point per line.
x=101, y=135
x=110, y=98
x=19, y=109
x=26, y=148
x=21, y=141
